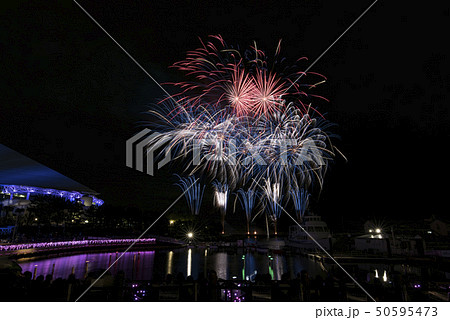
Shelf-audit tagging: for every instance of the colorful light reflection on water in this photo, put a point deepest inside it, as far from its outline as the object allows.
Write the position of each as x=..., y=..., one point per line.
x=144, y=265
x=140, y=269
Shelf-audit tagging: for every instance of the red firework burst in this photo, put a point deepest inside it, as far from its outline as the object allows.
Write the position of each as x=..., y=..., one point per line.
x=240, y=92
x=268, y=93
x=225, y=79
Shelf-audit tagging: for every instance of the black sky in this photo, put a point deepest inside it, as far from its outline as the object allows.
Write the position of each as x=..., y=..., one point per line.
x=70, y=97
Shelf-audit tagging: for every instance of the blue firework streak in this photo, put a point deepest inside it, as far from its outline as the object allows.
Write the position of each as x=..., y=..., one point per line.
x=238, y=124
x=294, y=147
x=273, y=200
x=247, y=200
x=204, y=139
x=300, y=197
x=193, y=192
x=286, y=146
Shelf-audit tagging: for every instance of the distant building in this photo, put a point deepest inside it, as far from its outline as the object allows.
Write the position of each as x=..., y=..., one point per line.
x=373, y=242
x=377, y=241
x=22, y=179
x=408, y=246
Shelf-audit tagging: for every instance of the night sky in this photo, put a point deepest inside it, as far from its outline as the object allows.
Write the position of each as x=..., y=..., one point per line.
x=70, y=97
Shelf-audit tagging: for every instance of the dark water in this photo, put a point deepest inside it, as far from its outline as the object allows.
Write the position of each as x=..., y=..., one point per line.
x=143, y=265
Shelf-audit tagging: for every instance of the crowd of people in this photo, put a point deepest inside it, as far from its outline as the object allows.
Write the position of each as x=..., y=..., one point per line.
x=262, y=288
x=335, y=286
x=18, y=286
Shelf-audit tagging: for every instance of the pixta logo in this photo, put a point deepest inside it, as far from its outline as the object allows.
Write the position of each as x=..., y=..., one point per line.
x=137, y=150
x=141, y=151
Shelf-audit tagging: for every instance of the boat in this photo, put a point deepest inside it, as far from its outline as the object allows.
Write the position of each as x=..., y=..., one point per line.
x=316, y=228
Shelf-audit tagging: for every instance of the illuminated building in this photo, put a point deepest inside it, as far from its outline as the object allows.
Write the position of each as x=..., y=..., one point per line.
x=22, y=179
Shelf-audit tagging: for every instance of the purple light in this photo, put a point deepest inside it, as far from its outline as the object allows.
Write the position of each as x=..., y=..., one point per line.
x=66, y=265
x=70, y=195
x=78, y=243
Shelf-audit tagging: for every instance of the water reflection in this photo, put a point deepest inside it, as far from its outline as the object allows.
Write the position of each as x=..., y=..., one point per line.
x=169, y=262
x=249, y=266
x=189, y=263
x=220, y=264
x=205, y=261
x=279, y=265
x=138, y=265
x=144, y=265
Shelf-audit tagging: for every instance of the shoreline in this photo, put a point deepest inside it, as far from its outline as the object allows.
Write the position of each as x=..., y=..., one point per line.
x=261, y=247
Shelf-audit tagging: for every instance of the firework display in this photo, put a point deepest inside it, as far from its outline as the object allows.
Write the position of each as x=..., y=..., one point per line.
x=193, y=191
x=221, y=193
x=300, y=198
x=244, y=121
x=273, y=199
x=247, y=199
